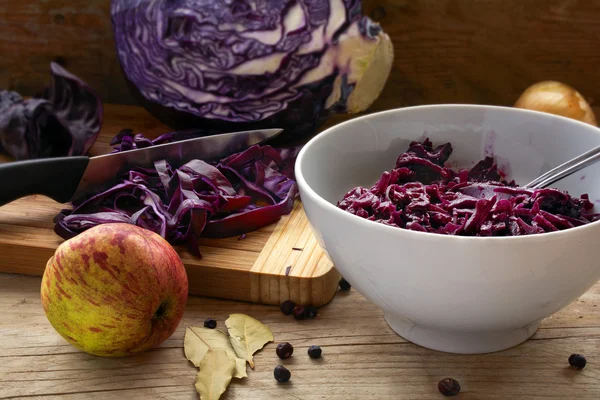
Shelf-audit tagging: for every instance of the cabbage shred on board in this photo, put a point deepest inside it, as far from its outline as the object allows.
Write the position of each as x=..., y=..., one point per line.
x=237, y=195
x=421, y=194
x=227, y=65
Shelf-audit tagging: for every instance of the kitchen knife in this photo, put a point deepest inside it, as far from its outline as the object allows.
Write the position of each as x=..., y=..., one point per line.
x=70, y=178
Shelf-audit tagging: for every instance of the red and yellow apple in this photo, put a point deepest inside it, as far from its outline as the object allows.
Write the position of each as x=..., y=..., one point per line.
x=114, y=290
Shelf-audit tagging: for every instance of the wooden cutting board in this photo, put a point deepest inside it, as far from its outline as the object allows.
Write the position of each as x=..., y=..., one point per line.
x=279, y=262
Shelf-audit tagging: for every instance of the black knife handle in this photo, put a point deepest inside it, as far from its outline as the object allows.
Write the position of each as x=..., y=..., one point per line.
x=56, y=177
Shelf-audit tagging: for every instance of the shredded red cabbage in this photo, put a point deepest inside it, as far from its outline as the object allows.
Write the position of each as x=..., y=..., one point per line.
x=237, y=195
x=422, y=194
x=128, y=140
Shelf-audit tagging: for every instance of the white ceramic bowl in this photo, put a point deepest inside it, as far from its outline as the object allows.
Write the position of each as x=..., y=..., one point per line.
x=451, y=293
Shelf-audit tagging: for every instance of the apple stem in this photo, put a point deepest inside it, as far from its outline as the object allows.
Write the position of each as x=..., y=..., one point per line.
x=160, y=311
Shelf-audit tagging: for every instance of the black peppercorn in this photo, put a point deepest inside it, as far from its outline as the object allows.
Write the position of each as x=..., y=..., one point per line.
x=299, y=312
x=314, y=352
x=282, y=374
x=287, y=307
x=210, y=323
x=311, y=311
x=284, y=350
x=345, y=285
x=577, y=360
x=449, y=387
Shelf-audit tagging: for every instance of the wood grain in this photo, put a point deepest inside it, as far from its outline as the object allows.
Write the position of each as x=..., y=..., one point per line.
x=292, y=265
x=75, y=33
x=487, y=51
x=252, y=269
x=362, y=357
x=471, y=51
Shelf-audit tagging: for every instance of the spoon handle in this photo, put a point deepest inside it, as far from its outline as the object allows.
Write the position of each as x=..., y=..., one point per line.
x=568, y=168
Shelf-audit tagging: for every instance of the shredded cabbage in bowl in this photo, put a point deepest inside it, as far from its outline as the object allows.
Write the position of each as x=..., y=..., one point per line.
x=420, y=193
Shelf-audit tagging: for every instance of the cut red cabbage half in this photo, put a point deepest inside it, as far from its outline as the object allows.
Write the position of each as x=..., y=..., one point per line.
x=64, y=121
x=228, y=65
x=421, y=194
x=239, y=194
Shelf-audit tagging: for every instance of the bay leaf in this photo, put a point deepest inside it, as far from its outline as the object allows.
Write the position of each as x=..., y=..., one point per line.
x=247, y=335
x=216, y=370
x=198, y=341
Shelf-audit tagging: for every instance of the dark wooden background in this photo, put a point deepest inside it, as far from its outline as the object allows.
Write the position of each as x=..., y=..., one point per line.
x=471, y=51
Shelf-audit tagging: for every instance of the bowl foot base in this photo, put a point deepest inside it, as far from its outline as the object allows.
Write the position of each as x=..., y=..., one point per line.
x=460, y=342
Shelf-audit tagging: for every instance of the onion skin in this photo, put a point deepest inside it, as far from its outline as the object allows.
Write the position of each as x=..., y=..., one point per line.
x=557, y=98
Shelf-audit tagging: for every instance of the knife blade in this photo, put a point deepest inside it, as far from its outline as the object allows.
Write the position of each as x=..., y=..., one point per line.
x=70, y=178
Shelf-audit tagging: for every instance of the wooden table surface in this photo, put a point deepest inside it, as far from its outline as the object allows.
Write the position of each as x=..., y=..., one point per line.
x=362, y=357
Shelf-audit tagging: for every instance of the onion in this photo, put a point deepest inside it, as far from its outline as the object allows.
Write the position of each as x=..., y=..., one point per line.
x=557, y=98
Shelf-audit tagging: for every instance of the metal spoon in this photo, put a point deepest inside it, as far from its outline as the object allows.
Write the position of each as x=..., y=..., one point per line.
x=486, y=191
x=568, y=168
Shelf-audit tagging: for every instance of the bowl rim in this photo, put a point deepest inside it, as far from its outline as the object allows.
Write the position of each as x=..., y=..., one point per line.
x=367, y=224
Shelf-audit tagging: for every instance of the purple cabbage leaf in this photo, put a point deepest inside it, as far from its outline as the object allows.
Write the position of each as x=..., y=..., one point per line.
x=64, y=120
